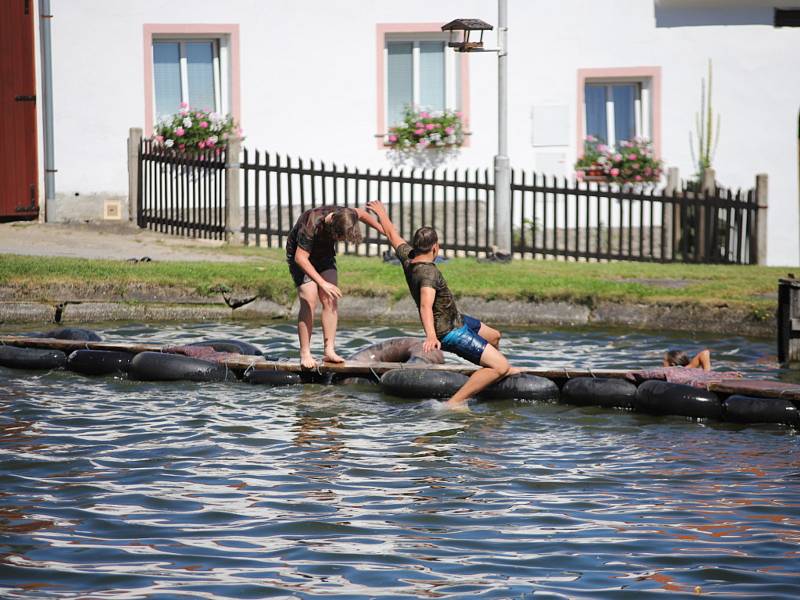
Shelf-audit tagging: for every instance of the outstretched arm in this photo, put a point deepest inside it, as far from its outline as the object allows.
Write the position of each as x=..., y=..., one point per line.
x=389, y=229
x=701, y=359
x=367, y=218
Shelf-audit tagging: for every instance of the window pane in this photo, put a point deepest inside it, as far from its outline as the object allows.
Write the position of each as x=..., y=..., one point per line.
x=167, y=77
x=624, y=107
x=431, y=75
x=596, y=124
x=400, y=80
x=200, y=75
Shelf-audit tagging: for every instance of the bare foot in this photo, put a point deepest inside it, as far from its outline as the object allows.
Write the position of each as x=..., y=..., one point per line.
x=331, y=357
x=457, y=405
x=308, y=362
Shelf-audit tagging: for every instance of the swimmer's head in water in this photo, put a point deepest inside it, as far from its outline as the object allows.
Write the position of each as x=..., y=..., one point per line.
x=425, y=238
x=675, y=358
x=344, y=226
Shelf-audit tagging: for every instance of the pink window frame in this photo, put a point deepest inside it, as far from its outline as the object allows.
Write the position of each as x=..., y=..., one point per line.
x=152, y=30
x=651, y=73
x=381, y=30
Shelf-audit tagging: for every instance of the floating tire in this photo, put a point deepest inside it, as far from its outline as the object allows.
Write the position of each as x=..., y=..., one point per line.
x=158, y=366
x=421, y=383
x=273, y=378
x=73, y=333
x=521, y=387
x=99, y=362
x=400, y=349
x=747, y=409
x=233, y=346
x=599, y=391
x=31, y=358
x=424, y=383
x=661, y=397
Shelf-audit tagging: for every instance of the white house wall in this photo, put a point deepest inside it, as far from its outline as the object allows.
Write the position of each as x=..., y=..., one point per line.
x=308, y=88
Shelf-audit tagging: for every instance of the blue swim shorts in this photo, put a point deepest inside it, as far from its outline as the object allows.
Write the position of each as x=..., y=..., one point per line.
x=465, y=341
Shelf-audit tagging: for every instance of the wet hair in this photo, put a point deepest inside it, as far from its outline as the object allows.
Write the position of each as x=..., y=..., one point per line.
x=344, y=226
x=676, y=358
x=424, y=239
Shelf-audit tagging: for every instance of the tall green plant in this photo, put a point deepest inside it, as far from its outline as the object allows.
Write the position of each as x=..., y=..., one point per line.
x=707, y=134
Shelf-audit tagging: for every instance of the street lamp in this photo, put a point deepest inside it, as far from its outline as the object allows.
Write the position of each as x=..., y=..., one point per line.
x=502, y=165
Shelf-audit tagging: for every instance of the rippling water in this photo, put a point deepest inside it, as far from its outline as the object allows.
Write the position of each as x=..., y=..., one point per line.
x=110, y=488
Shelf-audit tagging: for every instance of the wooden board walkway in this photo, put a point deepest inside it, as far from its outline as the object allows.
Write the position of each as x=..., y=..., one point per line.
x=753, y=387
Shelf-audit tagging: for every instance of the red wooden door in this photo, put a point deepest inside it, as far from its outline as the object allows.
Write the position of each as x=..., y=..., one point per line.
x=18, y=177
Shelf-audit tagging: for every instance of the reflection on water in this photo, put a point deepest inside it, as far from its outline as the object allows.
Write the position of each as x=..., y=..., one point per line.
x=110, y=488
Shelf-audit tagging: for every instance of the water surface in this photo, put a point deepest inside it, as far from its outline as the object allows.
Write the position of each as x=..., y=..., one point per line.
x=110, y=488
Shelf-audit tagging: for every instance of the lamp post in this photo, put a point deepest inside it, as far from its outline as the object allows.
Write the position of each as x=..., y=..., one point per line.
x=502, y=164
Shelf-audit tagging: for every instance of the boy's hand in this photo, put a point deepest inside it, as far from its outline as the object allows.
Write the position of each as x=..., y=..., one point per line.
x=431, y=344
x=331, y=290
x=377, y=207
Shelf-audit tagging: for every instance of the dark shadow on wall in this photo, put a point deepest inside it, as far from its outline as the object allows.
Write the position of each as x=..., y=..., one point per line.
x=703, y=17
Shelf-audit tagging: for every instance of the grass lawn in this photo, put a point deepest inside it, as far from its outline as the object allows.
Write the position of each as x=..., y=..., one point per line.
x=587, y=283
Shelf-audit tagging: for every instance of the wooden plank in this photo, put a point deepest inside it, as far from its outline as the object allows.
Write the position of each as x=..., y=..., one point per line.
x=348, y=368
x=754, y=387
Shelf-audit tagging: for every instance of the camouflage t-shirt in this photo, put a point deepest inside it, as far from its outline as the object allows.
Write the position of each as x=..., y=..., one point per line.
x=425, y=274
x=310, y=234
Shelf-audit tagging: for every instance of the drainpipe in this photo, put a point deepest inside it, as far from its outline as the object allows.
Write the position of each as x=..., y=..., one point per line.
x=47, y=103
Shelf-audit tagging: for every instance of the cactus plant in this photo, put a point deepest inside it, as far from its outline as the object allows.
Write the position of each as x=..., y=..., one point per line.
x=707, y=134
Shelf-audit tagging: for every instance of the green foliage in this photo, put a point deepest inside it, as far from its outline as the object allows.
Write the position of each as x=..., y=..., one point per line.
x=707, y=134
x=193, y=129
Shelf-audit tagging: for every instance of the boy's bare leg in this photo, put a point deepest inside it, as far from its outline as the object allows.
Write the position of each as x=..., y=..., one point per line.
x=307, y=294
x=495, y=367
x=330, y=319
x=491, y=335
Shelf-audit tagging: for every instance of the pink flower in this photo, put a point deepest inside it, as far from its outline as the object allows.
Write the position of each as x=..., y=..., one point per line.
x=179, y=131
x=638, y=178
x=419, y=124
x=449, y=130
x=591, y=138
x=648, y=171
x=201, y=144
x=181, y=146
x=424, y=115
x=602, y=148
x=184, y=105
x=209, y=143
x=579, y=174
x=631, y=156
x=203, y=124
x=618, y=157
x=614, y=172
x=392, y=138
x=430, y=126
x=459, y=114
x=160, y=139
x=198, y=115
x=419, y=131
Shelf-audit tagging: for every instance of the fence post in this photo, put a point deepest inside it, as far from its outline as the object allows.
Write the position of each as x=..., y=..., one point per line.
x=233, y=209
x=135, y=135
x=709, y=186
x=762, y=203
x=671, y=213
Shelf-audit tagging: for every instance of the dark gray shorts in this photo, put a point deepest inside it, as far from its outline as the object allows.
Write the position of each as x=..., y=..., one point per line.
x=300, y=277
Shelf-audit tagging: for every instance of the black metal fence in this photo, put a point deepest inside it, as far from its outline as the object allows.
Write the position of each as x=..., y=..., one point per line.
x=556, y=218
x=182, y=193
x=458, y=204
x=551, y=218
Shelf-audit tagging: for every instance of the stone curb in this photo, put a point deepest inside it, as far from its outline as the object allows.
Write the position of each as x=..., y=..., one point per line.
x=721, y=320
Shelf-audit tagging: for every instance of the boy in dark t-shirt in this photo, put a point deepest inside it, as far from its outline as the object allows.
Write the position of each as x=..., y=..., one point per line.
x=311, y=254
x=445, y=327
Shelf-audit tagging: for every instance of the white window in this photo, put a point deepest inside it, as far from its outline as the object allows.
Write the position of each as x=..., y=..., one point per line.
x=617, y=110
x=192, y=71
x=421, y=71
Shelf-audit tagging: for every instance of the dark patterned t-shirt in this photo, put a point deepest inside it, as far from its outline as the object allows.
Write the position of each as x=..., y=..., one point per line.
x=425, y=274
x=311, y=234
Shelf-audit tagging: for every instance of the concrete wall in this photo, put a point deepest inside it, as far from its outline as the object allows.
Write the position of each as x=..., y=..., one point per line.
x=308, y=70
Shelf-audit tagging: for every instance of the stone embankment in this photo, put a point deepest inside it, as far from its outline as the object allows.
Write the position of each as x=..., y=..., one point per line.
x=73, y=304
